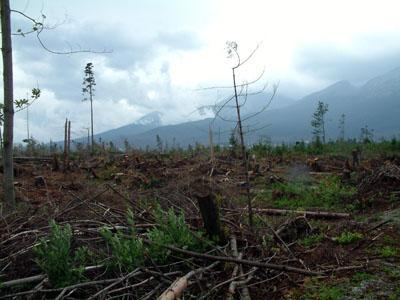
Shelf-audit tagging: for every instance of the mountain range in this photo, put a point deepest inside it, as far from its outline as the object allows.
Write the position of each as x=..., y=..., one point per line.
x=375, y=104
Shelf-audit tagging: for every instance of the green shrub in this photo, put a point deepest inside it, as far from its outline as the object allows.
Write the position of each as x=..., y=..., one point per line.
x=54, y=256
x=127, y=249
x=388, y=251
x=172, y=230
x=311, y=240
x=347, y=237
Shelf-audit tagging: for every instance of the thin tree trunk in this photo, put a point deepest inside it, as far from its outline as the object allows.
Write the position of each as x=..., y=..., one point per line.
x=9, y=195
x=68, y=143
x=91, y=117
x=244, y=155
x=1, y=142
x=65, y=145
x=210, y=140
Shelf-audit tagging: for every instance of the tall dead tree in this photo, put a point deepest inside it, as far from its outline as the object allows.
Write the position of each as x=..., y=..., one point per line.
x=233, y=47
x=240, y=90
x=68, y=142
x=8, y=92
x=65, y=145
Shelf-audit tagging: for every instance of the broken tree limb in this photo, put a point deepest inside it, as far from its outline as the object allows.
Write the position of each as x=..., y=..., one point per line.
x=178, y=286
x=25, y=280
x=245, y=262
x=309, y=214
x=235, y=253
x=36, y=278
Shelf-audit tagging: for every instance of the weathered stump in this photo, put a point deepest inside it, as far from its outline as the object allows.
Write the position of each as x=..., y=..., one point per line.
x=294, y=229
x=39, y=181
x=210, y=214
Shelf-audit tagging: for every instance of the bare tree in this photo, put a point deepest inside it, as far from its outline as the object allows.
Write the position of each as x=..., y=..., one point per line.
x=239, y=98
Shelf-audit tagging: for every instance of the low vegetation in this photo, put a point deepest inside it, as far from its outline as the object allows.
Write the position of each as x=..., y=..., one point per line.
x=56, y=258
x=123, y=211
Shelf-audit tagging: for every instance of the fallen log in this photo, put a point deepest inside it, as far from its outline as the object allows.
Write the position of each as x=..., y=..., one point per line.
x=309, y=214
x=22, y=159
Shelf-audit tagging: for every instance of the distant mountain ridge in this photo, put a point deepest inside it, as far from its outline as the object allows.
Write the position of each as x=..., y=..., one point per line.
x=376, y=104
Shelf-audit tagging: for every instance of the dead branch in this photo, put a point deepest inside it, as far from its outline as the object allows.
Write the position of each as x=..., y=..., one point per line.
x=178, y=286
x=246, y=262
x=310, y=214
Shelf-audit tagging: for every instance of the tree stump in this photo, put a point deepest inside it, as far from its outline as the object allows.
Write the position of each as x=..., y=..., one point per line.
x=210, y=214
x=39, y=181
x=294, y=229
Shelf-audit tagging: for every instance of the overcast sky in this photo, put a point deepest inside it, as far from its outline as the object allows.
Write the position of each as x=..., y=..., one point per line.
x=163, y=50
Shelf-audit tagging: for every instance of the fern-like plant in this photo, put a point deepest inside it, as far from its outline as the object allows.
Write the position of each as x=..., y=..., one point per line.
x=127, y=249
x=172, y=230
x=54, y=256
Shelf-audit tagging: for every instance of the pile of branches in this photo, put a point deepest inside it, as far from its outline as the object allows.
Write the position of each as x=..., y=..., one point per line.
x=241, y=266
x=385, y=176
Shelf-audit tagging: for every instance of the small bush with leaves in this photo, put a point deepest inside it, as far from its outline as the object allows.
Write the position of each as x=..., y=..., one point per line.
x=172, y=230
x=347, y=237
x=127, y=250
x=311, y=240
x=54, y=256
x=388, y=251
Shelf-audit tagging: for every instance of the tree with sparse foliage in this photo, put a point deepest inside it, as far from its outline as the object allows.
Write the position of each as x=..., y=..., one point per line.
x=342, y=124
x=318, y=121
x=88, y=89
x=367, y=135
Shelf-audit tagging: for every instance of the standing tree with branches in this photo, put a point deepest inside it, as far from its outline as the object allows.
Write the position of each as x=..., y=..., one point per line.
x=241, y=93
x=342, y=127
x=88, y=89
x=318, y=121
x=6, y=49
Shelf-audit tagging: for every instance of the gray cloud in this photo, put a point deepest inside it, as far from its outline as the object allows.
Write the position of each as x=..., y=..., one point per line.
x=329, y=62
x=125, y=77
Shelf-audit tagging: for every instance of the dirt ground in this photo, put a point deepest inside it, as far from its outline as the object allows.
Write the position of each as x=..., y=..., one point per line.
x=357, y=257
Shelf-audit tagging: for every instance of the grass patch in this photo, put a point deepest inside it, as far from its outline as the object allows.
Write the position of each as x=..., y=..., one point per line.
x=311, y=240
x=388, y=251
x=329, y=193
x=347, y=238
x=362, y=276
x=316, y=290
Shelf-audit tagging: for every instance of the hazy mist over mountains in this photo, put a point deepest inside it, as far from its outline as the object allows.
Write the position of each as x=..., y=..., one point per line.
x=375, y=104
